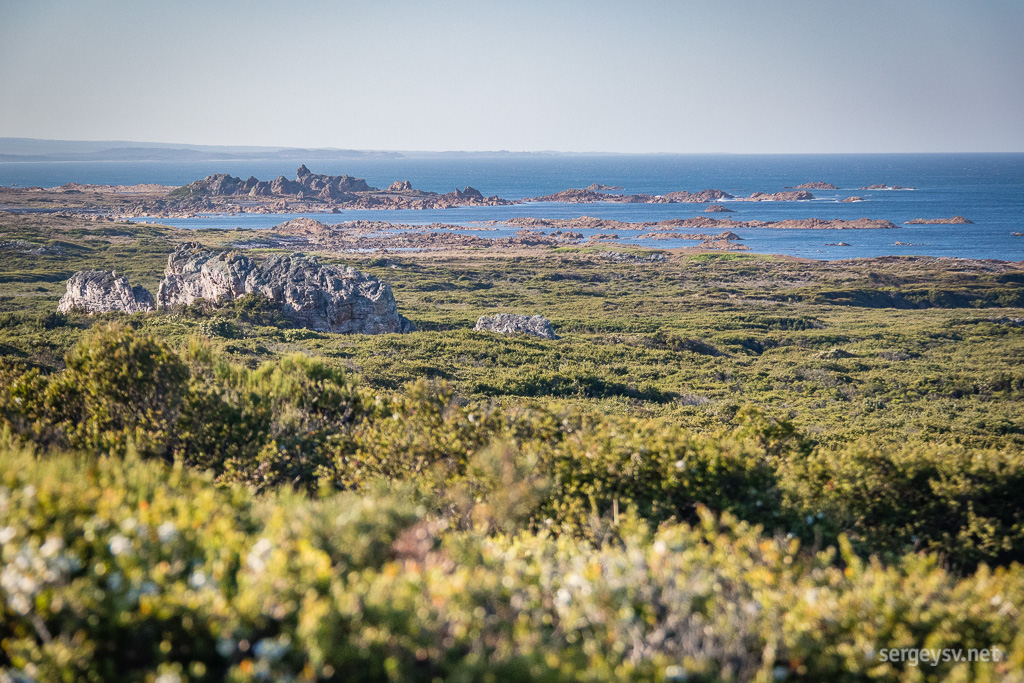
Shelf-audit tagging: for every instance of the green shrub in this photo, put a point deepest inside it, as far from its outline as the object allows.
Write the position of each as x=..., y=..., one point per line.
x=962, y=503
x=121, y=389
x=120, y=569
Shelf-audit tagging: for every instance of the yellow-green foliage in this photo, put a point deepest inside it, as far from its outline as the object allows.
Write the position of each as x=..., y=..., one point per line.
x=121, y=569
x=214, y=496
x=305, y=425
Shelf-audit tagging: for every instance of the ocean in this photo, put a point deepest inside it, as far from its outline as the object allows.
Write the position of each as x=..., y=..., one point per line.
x=988, y=189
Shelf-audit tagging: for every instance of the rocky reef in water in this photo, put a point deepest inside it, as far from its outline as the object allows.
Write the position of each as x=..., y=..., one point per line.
x=955, y=220
x=816, y=185
x=590, y=196
x=787, y=196
x=702, y=222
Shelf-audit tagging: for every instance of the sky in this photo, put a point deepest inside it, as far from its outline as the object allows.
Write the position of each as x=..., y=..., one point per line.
x=683, y=76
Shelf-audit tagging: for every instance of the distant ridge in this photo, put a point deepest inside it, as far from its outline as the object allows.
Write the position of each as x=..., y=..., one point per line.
x=30, y=149
x=40, y=150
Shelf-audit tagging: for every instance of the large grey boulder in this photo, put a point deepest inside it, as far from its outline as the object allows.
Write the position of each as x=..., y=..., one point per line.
x=100, y=291
x=508, y=323
x=315, y=296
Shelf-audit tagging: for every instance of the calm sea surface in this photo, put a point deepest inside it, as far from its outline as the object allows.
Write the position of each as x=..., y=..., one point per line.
x=986, y=188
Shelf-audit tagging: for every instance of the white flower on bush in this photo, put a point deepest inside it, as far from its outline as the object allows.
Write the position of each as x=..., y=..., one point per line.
x=53, y=545
x=119, y=544
x=20, y=604
x=198, y=579
x=26, y=572
x=166, y=531
x=256, y=561
x=16, y=579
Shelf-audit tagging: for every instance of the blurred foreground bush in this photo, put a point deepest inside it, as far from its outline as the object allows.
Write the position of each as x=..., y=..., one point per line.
x=123, y=569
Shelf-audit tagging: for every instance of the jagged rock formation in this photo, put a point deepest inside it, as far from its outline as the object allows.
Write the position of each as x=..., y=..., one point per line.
x=400, y=186
x=955, y=220
x=849, y=200
x=598, y=187
x=717, y=208
x=507, y=323
x=306, y=184
x=325, y=298
x=315, y=189
x=99, y=291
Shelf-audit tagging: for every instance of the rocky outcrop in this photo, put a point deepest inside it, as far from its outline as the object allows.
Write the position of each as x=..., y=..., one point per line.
x=717, y=208
x=722, y=245
x=597, y=187
x=400, y=186
x=577, y=196
x=99, y=291
x=850, y=200
x=306, y=185
x=955, y=220
x=507, y=323
x=319, y=297
x=883, y=186
x=316, y=190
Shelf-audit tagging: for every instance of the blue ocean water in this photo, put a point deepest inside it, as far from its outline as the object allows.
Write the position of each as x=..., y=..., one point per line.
x=986, y=188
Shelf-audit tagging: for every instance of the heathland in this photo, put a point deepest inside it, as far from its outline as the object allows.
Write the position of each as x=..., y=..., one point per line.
x=727, y=467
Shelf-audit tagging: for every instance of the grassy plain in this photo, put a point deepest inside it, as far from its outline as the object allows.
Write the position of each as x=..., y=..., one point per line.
x=889, y=348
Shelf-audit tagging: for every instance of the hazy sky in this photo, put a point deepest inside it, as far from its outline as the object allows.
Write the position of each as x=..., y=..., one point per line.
x=629, y=76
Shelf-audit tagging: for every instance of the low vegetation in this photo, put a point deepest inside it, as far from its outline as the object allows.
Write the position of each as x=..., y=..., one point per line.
x=724, y=470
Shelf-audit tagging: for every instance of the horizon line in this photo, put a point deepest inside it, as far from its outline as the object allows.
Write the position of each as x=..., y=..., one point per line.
x=278, y=148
